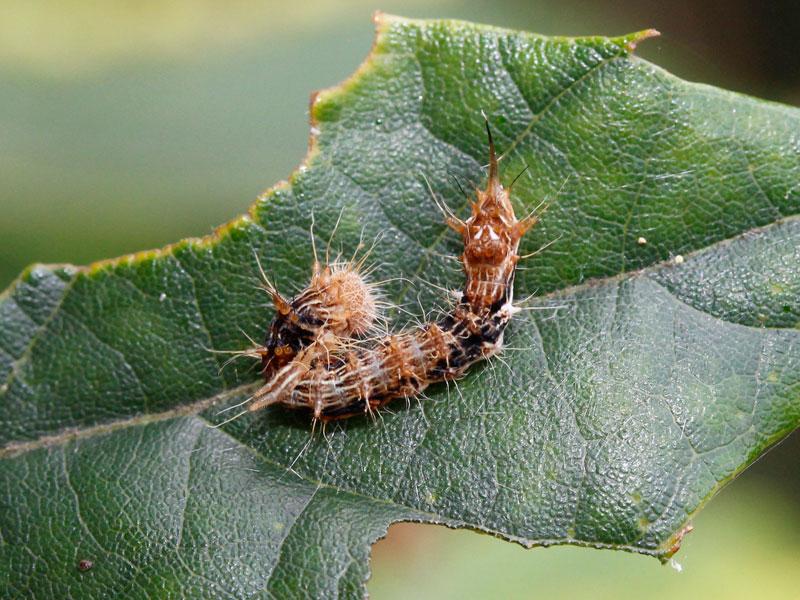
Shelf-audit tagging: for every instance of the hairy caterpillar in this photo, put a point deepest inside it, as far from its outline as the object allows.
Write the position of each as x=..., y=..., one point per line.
x=335, y=378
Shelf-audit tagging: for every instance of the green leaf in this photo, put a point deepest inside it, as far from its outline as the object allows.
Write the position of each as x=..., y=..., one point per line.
x=639, y=385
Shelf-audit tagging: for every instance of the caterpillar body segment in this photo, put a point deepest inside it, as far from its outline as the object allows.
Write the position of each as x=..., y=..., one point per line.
x=281, y=385
x=338, y=301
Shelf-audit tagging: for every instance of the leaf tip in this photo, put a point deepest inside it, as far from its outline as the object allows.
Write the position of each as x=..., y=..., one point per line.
x=632, y=41
x=381, y=19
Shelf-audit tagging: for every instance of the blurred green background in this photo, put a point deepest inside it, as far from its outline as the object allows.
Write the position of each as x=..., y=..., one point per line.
x=126, y=125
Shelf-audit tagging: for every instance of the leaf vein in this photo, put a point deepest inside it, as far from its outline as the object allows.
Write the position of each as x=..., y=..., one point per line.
x=26, y=354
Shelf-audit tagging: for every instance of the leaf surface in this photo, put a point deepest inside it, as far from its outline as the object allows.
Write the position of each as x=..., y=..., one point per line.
x=634, y=389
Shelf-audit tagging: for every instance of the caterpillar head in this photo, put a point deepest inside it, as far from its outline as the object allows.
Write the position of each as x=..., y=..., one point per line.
x=338, y=300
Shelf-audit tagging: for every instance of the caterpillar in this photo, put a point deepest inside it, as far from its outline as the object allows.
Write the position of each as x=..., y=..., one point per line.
x=339, y=302
x=335, y=377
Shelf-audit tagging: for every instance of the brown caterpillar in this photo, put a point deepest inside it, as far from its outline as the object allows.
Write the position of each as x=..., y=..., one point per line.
x=335, y=379
x=491, y=239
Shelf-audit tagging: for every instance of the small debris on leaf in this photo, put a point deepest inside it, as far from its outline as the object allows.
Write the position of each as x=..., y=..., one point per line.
x=85, y=565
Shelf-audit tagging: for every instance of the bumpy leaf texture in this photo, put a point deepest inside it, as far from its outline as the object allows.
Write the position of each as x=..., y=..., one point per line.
x=637, y=388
